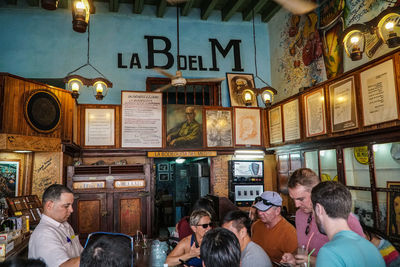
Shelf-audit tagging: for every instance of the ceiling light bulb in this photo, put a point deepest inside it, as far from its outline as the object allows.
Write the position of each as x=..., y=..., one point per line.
x=354, y=39
x=99, y=88
x=247, y=96
x=180, y=160
x=80, y=5
x=389, y=26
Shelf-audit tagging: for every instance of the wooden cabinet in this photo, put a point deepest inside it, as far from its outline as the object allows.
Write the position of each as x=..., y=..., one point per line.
x=111, y=199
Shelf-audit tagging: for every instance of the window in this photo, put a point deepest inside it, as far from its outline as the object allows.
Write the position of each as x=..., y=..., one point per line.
x=205, y=93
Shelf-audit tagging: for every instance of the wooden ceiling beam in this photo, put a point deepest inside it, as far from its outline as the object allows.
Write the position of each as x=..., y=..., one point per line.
x=269, y=11
x=230, y=10
x=208, y=8
x=187, y=7
x=138, y=6
x=256, y=5
x=162, y=6
x=113, y=5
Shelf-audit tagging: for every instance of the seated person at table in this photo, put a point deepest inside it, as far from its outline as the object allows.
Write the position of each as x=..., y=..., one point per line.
x=271, y=231
x=54, y=240
x=107, y=250
x=387, y=250
x=183, y=226
x=188, y=249
x=239, y=223
x=220, y=248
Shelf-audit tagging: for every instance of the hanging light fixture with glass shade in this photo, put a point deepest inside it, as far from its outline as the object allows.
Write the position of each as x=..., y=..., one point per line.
x=75, y=82
x=354, y=41
x=388, y=28
x=80, y=15
x=267, y=93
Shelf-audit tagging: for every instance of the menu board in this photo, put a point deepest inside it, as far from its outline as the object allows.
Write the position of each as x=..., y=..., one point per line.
x=275, y=125
x=141, y=119
x=291, y=120
x=314, y=105
x=378, y=90
x=99, y=127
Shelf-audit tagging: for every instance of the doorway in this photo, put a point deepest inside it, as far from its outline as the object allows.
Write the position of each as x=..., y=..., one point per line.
x=179, y=183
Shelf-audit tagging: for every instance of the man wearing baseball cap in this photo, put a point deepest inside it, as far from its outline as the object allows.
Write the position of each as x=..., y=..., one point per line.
x=271, y=231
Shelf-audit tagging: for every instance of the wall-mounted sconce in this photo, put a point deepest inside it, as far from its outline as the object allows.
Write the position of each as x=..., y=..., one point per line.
x=267, y=95
x=80, y=15
x=386, y=26
x=75, y=82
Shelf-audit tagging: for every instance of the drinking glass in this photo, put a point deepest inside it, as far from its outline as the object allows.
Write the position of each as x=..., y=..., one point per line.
x=302, y=251
x=137, y=240
x=144, y=241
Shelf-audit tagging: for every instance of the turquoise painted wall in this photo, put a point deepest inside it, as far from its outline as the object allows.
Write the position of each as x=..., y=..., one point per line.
x=36, y=43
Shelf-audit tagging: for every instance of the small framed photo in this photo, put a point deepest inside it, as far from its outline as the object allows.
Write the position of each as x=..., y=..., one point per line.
x=163, y=167
x=9, y=177
x=237, y=82
x=247, y=126
x=393, y=204
x=163, y=177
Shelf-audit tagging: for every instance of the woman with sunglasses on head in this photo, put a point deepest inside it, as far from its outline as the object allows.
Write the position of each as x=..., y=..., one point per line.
x=188, y=249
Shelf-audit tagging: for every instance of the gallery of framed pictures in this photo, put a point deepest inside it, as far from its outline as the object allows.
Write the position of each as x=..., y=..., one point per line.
x=9, y=178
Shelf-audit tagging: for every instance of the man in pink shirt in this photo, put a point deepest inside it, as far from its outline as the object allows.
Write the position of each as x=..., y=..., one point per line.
x=300, y=184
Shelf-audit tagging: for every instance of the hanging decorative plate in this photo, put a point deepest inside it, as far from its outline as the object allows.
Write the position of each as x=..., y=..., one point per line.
x=395, y=152
x=361, y=154
x=43, y=111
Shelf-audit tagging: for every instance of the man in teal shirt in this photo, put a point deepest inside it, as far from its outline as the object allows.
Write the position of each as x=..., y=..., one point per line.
x=332, y=205
x=188, y=134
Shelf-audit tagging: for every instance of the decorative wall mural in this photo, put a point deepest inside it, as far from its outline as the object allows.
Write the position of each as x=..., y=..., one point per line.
x=298, y=62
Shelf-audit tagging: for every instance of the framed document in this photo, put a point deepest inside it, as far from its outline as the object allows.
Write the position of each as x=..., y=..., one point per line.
x=247, y=126
x=378, y=91
x=343, y=105
x=275, y=125
x=219, y=127
x=291, y=120
x=314, y=110
x=141, y=119
x=99, y=127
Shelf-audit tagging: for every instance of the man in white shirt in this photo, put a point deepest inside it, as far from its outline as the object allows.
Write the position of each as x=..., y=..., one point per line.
x=54, y=240
x=252, y=255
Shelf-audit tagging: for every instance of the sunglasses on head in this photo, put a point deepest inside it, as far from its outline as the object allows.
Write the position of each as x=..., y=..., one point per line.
x=114, y=234
x=266, y=202
x=205, y=225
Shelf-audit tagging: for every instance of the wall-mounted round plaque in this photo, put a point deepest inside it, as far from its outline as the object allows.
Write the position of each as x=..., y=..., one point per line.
x=43, y=111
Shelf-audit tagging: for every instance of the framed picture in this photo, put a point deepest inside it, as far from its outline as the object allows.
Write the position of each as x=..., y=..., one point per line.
x=314, y=110
x=9, y=178
x=247, y=126
x=163, y=167
x=219, y=128
x=163, y=177
x=378, y=91
x=275, y=125
x=142, y=119
x=99, y=127
x=343, y=105
x=291, y=120
x=184, y=126
x=393, y=209
x=237, y=82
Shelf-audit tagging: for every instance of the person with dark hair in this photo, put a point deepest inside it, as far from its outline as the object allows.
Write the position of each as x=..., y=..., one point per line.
x=252, y=255
x=271, y=231
x=54, y=240
x=107, y=250
x=300, y=184
x=188, y=249
x=332, y=205
x=183, y=226
x=21, y=262
x=220, y=247
x=380, y=241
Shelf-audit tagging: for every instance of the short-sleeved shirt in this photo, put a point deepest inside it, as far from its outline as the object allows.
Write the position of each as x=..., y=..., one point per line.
x=349, y=249
x=254, y=256
x=53, y=242
x=277, y=240
x=318, y=239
